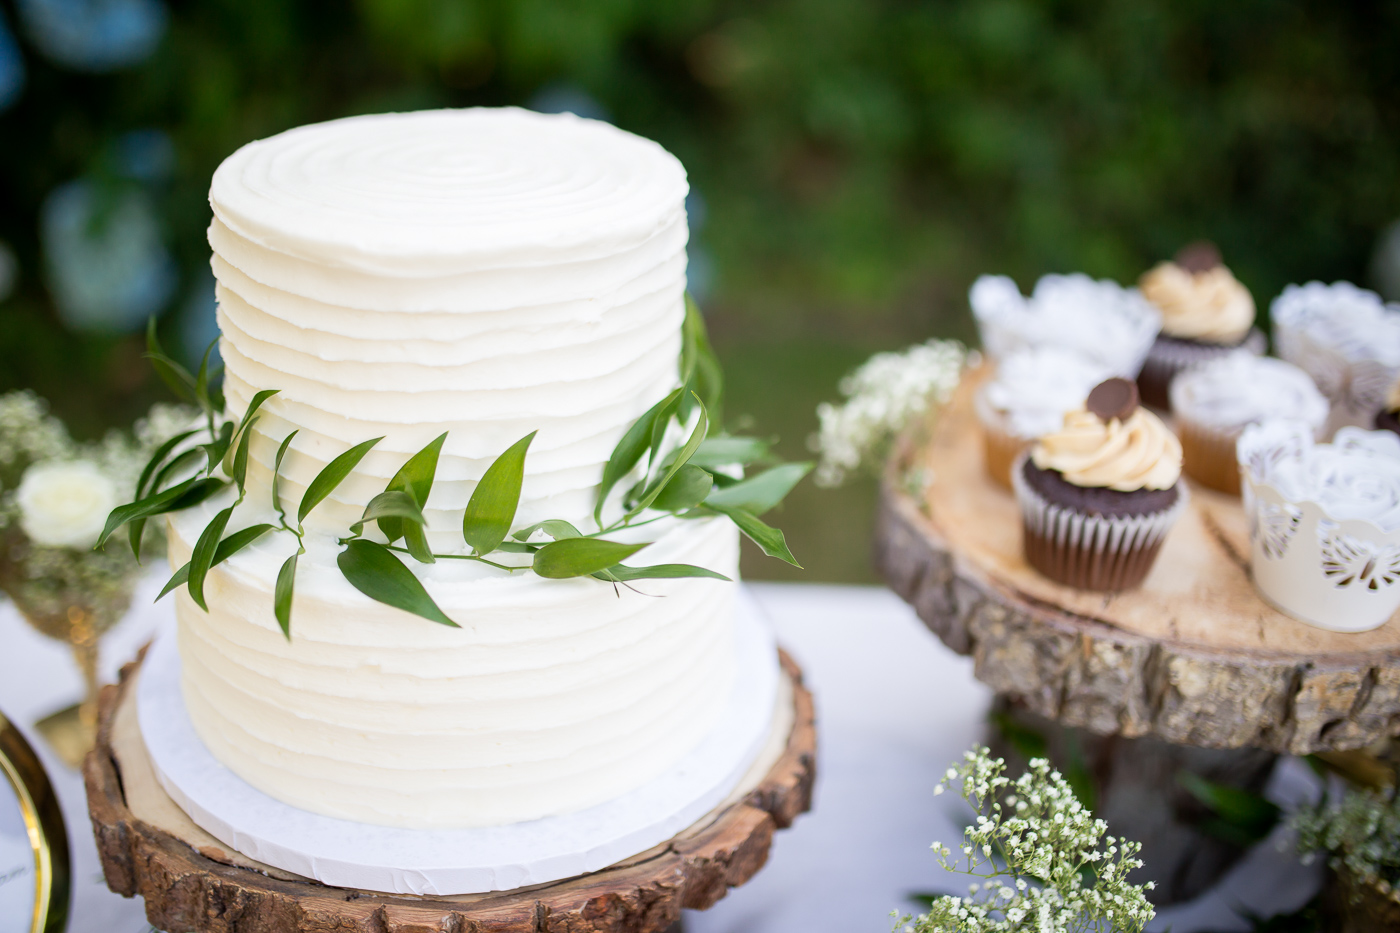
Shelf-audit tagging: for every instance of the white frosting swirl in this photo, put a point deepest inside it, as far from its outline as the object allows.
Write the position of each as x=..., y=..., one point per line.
x=1034, y=387
x=1240, y=388
x=1210, y=306
x=1139, y=453
x=1100, y=320
x=1357, y=476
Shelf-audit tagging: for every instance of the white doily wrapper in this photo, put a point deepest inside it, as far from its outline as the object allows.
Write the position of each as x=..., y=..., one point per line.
x=1092, y=552
x=1347, y=339
x=1101, y=320
x=1324, y=522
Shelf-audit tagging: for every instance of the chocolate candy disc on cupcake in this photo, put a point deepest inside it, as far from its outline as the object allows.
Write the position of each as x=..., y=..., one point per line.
x=1206, y=312
x=1388, y=418
x=1099, y=494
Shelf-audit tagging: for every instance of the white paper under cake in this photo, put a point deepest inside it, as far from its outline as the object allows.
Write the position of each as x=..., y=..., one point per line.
x=464, y=861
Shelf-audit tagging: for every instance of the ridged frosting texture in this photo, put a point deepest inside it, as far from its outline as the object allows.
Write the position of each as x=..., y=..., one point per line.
x=482, y=272
x=1210, y=306
x=1100, y=320
x=1240, y=388
x=1136, y=453
x=485, y=273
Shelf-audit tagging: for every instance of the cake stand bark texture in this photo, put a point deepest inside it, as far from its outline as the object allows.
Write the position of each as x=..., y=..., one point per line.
x=1194, y=657
x=213, y=889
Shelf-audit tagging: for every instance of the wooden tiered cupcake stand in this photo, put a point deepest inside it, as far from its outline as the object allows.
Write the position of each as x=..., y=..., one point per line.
x=1171, y=676
x=191, y=881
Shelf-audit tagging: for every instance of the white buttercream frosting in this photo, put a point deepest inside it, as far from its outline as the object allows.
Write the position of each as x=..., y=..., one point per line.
x=1240, y=388
x=1357, y=476
x=1034, y=387
x=1100, y=320
x=485, y=273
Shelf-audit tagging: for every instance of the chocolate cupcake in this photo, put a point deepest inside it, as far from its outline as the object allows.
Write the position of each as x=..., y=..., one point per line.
x=1214, y=402
x=1099, y=495
x=1388, y=418
x=1206, y=313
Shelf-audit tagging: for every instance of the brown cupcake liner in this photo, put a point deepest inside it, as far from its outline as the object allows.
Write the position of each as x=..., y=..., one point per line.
x=1169, y=357
x=1091, y=552
x=1208, y=455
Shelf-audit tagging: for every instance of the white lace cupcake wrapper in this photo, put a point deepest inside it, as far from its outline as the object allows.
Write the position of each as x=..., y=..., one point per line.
x=1102, y=552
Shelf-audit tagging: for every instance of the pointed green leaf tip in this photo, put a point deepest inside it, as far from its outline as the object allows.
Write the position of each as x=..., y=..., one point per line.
x=578, y=557
x=760, y=493
x=331, y=476
x=282, y=596
x=494, y=501
x=630, y=449
x=374, y=570
x=768, y=538
x=203, y=557
x=226, y=549
x=415, y=478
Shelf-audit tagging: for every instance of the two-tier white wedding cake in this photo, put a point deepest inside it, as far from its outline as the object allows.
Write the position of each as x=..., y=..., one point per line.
x=485, y=273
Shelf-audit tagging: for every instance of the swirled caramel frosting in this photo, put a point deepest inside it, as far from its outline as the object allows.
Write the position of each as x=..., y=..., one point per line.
x=1137, y=452
x=1209, y=305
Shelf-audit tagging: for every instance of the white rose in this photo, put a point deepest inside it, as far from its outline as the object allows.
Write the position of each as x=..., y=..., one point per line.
x=65, y=503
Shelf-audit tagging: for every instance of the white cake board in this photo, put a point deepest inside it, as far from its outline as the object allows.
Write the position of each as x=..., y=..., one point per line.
x=346, y=854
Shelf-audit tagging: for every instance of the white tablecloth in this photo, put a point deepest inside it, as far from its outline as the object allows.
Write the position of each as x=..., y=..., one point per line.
x=894, y=708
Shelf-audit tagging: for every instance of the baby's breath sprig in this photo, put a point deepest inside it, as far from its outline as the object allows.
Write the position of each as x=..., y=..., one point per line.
x=1040, y=859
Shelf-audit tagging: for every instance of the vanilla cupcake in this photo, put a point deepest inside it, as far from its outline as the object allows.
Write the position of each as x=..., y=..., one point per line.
x=1101, y=321
x=1099, y=495
x=1388, y=418
x=1029, y=396
x=1205, y=311
x=1324, y=523
x=1347, y=339
x=1214, y=402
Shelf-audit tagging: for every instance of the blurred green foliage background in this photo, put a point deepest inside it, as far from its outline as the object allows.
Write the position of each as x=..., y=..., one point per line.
x=856, y=163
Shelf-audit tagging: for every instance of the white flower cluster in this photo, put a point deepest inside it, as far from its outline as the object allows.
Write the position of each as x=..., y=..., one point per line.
x=1042, y=861
x=881, y=397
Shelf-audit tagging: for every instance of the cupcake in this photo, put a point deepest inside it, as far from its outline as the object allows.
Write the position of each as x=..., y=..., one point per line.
x=1324, y=523
x=1098, y=495
x=1347, y=339
x=1215, y=401
x=1205, y=311
x=1388, y=418
x=1029, y=396
x=1101, y=321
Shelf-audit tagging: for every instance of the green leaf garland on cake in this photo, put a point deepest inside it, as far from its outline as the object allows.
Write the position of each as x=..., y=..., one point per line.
x=702, y=476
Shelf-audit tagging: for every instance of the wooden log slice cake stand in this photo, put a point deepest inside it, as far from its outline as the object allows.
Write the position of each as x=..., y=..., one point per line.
x=191, y=881
x=1193, y=661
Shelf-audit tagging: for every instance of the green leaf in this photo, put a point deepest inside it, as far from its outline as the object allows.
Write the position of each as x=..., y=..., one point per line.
x=578, y=557
x=515, y=547
x=134, y=532
x=240, y=457
x=416, y=539
x=203, y=557
x=768, y=538
x=203, y=488
x=158, y=458
x=701, y=370
x=201, y=380
x=154, y=504
x=696, y=436
x=246, y=424
x=393, y=502
x=282, y=595
x=374, y=570
x=226, y=549
x=495, y=499
x=215, y=449
x=623, y=573
x=182, y=461
x=724, y=450
x=629, y=450
x=760, y=493
x=556, y=528
x=687, y=489
x=331, y=476
x=277, y=473
x=416, y=478
x=175, y=376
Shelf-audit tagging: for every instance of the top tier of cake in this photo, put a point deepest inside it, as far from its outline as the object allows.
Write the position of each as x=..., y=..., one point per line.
x=481, y=272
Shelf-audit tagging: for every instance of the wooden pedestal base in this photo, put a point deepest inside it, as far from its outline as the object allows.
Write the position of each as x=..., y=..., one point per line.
x=191, y=881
